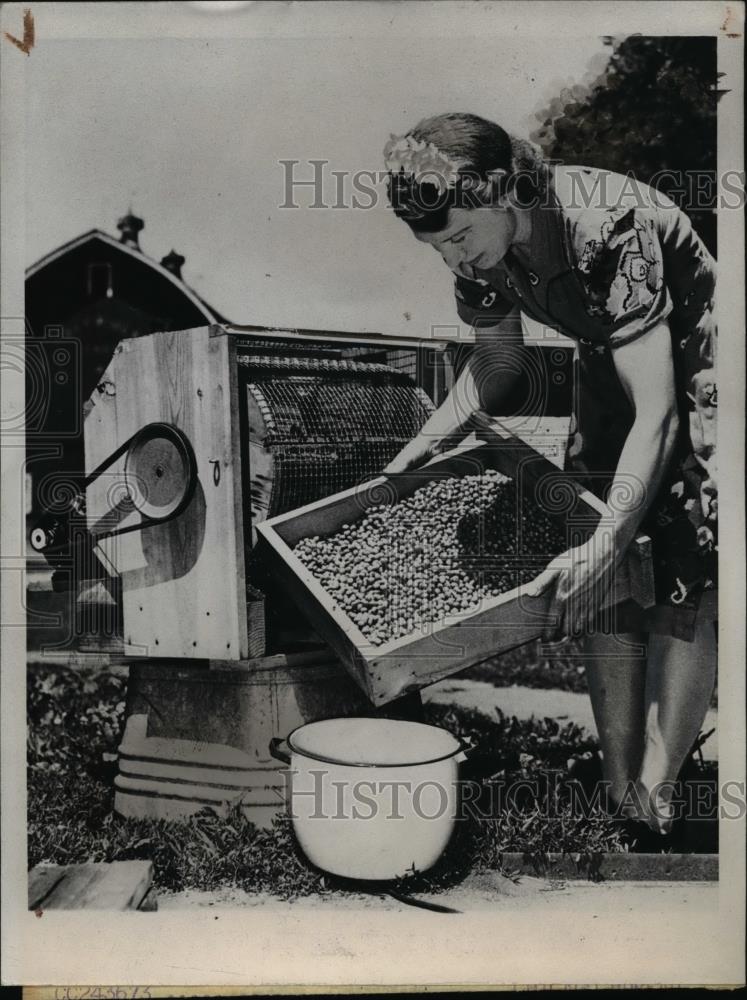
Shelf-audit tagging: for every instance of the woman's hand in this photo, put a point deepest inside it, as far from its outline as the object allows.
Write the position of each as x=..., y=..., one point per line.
x=580, y=578
x=578, y=581
x=415, y=453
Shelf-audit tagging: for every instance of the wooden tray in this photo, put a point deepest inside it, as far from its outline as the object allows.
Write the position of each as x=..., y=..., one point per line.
x=387, y=671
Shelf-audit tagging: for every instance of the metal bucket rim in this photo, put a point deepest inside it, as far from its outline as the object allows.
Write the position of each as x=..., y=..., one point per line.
x=460, y=747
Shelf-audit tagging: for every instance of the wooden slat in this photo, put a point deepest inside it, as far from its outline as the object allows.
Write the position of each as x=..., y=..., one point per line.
x=120, y=885
x=149, y=903
x=342, y=336
x=42, y=880
x=276, y=661
x=188, y=379
x=72, y=889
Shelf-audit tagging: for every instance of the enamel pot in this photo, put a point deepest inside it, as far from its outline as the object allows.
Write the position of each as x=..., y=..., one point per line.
x=372, y=798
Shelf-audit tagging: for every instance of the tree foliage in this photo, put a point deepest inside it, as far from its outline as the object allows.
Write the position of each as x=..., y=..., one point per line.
x=653, y=109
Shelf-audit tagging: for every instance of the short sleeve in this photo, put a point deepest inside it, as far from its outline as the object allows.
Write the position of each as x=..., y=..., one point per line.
x=478, y=303
x=621, y=264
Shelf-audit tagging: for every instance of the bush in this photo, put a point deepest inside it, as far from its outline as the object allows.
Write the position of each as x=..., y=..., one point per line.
x=654, y=108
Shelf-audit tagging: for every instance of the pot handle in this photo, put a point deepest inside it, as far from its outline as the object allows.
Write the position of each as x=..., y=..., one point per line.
x=279, y=750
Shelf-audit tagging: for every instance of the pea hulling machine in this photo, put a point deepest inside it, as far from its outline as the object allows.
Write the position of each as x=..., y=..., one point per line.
x=223, y=470
x=193, y=438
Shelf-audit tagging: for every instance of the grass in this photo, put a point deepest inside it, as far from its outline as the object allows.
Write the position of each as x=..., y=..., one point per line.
x=74, y=722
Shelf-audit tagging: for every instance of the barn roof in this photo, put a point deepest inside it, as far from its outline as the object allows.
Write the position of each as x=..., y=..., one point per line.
x=136, y=254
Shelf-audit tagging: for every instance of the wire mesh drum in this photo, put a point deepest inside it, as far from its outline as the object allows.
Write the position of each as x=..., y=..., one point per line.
x=318, y=426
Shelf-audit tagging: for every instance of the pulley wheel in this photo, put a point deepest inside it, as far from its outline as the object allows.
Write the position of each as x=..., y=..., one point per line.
x=160, y=471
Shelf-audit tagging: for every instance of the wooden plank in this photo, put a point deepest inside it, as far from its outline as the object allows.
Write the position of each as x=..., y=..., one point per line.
x=276, y=661
x=42, y=881
x=226, y=413
x=340, y=336
x=71, y=888
x=119, y=663
x=411, y=662
x=149, y=903
x=188, y=379
x=119, y=885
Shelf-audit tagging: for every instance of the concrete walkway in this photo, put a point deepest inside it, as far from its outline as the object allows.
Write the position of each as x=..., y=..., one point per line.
x=525, y=702
x=484, y=891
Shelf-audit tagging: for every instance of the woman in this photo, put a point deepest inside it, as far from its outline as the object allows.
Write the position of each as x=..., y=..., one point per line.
x=618, y=268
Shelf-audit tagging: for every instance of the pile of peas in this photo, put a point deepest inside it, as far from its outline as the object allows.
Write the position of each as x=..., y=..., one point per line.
x=434, y=555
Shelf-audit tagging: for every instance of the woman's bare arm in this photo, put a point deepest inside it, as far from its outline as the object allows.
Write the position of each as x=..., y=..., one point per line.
x=583, y=574
x=491, y=371
x=646, y=369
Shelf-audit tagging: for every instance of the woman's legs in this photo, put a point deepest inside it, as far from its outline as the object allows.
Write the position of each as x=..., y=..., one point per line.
x=649, y=703
x=616, y=673
x=679, y=683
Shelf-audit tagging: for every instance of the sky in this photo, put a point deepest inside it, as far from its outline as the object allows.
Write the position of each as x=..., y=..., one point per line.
x=190, y=133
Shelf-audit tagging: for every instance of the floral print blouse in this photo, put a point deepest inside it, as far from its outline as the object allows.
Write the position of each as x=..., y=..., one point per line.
x=608, y=260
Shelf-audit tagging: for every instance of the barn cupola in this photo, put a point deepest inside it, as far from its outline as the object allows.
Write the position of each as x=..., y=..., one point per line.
x=173, y=262
x=129, y=226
